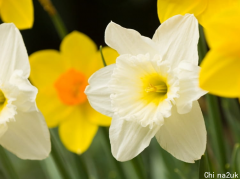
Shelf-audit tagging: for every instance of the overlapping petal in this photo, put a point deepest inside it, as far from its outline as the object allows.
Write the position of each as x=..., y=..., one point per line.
x=173, y=42
x=12, y=50
x=189, y=89
x=219, y=74
x=128, y=41
x=27, y=136
x=97, y=118
x=203, y=10
x=222, y=30
x=184, y=136
x=169, y=8
x=98, y=92
x=21, y=13
x=129, y=138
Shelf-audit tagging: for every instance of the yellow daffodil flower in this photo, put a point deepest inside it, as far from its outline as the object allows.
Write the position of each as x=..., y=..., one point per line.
x=23, y=130
x=202, y=9
x=152, y=90
x=61, y=78
x=20, y=12
x=220, y=68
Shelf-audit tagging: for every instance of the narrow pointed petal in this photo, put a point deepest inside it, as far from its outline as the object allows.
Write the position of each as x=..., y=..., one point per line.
x=219, y=74
x=177, y=39
x=12, y=50
x=98, y=92
x=184, y=136
x=18, y=12
x=27, y=136
x=128, y=41
x=128, y=138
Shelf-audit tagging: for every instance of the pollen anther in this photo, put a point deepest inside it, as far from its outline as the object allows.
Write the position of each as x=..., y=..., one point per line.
x=158, y=88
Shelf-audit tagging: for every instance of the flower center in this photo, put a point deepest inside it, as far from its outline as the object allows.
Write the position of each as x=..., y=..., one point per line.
x=162, y=88
x=155, y=88
x=2, y=100
x=70, y=87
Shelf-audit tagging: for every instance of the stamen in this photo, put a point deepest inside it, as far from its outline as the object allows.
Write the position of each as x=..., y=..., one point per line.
x=2, y=98
x=158, y=88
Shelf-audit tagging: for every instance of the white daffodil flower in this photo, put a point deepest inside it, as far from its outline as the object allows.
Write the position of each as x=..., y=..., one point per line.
x=152, y=90
x=23, y=130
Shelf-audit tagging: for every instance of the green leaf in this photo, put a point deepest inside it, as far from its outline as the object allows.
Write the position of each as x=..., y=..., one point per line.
x=204, y=166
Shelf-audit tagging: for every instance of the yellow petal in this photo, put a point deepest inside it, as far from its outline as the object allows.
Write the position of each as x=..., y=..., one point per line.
x=18, y=12
x=77, y=132
x=215, y=7
x=220, y=74
x=169, y=8
x=46, y=67
x=52, y=108
x=222, y=31
x=77, y=50
x=96, y=117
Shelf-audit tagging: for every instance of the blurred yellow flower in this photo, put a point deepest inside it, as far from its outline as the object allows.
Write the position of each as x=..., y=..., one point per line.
x=202, y=9
x=61, y=78
x=220, y=68
x=20, y=12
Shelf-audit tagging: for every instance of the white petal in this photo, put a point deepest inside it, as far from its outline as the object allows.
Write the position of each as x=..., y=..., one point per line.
x=13, y=54
x=184, y=136
x=3, y=129
x=97, y=91
x=129, y=98
x=177, y=39
x=128, y=41
x=128, y=138
x=189, y=90
x=26, y=93
x=27, y=136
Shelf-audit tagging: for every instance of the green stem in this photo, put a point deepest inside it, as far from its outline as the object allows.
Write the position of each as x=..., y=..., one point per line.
x=215, y=120
x=82, y=168
x=56, y=19
x=116, y=163
x=234, y=163
x=56, y=154
x=179, y=173
x=137, y=164
x=103, y=59
x=204, y=166
x=202, y=45
x=59, y=25
x=8, y=168
x=214, y=112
